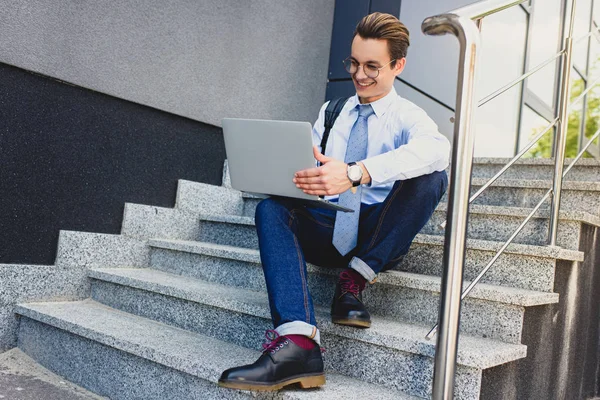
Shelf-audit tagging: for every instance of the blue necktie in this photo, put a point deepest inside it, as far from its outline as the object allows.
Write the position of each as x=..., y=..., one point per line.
x=345, y=231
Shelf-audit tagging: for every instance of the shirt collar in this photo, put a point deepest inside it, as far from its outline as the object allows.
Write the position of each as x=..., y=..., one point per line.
x=379, y=106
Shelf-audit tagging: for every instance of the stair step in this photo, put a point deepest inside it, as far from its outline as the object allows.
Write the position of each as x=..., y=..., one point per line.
x=535, y=168
x=143, y=222
x=476, y=244
x=491, y=311
x=508, y=295
x=55, y=332
x=524, y=169
x=202, y=197
x=499, y=223
x=576, y=196
x=425, y=255
x=88, y=249
x=485, y=222
x=203, y=307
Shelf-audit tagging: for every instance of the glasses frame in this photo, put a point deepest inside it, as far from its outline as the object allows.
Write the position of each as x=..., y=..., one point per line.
x=363, y=67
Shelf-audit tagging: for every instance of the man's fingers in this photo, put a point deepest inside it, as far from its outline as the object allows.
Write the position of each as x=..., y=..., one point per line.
x=311, y=186
x=310, y=179
x=318, y=192
x=307, y=173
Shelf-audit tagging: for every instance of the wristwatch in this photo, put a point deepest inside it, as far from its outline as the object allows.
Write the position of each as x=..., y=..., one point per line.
x=354, y=173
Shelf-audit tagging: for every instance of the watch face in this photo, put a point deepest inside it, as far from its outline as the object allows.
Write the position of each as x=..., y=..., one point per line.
x=354, y=173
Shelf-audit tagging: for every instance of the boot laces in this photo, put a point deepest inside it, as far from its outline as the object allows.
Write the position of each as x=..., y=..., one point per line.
x=273, y=341
x=348, y=285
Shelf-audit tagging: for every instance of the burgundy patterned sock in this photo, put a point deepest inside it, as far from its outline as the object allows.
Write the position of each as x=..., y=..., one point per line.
x=358, y=278
x=303, y=341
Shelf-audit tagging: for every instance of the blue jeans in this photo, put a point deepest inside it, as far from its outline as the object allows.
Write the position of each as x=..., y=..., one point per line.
x=290, y=234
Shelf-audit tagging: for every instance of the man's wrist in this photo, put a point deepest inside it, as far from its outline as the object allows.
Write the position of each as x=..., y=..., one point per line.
x=366, y=177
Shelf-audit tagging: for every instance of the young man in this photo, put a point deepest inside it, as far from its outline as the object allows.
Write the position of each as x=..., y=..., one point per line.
x=384, y=158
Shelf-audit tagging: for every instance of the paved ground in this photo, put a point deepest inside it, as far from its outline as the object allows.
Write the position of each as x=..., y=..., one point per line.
x=21, y=378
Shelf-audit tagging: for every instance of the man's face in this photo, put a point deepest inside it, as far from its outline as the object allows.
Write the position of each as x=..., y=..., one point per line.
x=374, y=53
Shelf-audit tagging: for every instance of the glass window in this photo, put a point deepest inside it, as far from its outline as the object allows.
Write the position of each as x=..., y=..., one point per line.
x=496, y=125
x=580, y=54
x=503, y=49
x=594, y=71
x=501, y=61
x=575, y=115
x=532, y=124
x=582, y=26
x=592, y=117
x=582, y=18
x=544, y=43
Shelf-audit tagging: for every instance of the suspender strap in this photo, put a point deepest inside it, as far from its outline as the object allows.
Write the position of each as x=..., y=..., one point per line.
x=331, y=113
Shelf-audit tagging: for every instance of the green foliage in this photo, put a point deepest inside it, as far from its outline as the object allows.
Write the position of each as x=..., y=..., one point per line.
x=543, y=149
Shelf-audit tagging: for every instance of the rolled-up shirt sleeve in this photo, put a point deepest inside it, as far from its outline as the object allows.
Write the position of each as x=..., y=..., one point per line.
x=426, y=151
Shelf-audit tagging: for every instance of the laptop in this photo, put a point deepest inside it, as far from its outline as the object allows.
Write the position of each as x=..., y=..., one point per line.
x=264, y=155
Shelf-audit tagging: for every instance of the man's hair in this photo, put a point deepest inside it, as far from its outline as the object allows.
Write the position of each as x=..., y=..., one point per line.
x=385, y=27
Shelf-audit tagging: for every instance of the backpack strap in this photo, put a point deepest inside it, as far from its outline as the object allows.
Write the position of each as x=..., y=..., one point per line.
x=331, y=113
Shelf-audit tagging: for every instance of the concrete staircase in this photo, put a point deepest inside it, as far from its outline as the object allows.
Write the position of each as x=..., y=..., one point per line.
x=179, y=296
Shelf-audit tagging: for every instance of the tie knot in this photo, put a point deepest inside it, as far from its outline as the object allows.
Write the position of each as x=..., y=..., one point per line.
x=365, y=110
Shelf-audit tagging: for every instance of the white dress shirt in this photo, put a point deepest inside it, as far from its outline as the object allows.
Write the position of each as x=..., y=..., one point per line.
x=403, y=143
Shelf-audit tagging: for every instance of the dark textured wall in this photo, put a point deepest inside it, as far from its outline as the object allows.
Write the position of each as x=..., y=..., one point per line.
x=562, y=339
x=70, y=159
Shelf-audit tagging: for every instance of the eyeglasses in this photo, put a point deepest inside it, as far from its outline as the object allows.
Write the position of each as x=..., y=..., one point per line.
x=370, y=70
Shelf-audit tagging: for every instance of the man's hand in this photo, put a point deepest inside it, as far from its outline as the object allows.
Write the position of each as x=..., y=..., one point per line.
x=328, y=179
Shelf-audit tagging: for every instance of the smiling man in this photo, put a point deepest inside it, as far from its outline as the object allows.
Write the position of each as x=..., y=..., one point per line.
x=385, y=159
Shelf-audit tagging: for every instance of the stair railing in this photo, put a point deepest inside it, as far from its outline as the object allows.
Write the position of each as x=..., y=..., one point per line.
x=465, y=24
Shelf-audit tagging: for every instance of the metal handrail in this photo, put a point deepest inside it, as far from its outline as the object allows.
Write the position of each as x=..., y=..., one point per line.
x=486, y=8
x=583, y=150
x=461, y=26
x=509, y=164
x=460, y=23
x=496, y=256
x=513, y=160
x=475, y=281
x=561, y=132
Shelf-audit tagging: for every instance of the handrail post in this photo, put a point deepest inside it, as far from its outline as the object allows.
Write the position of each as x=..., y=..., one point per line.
x=563, y=124
x=458, y=198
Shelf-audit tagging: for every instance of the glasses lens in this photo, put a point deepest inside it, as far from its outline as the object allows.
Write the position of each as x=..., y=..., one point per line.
x=371, y=71
x=350, y=66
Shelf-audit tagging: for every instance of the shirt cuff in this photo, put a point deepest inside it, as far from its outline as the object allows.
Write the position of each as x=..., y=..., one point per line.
x=375, y=171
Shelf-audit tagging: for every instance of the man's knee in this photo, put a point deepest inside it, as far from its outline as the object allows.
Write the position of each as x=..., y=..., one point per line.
x=266, y=208
x=272, y=207
x=434, y=184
